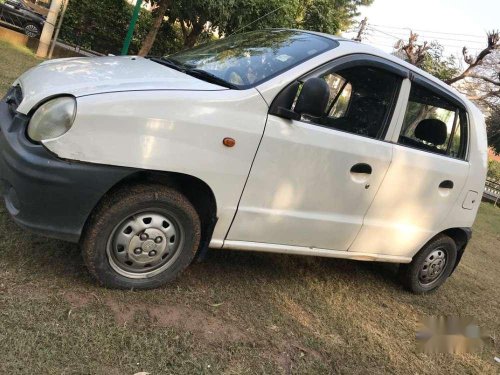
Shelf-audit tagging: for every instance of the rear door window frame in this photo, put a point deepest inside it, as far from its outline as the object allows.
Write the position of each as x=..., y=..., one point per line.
x=417, y=79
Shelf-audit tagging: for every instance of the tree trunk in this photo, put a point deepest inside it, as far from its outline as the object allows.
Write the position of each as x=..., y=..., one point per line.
x=191, y=39
x=191, y=36
x=151, y=37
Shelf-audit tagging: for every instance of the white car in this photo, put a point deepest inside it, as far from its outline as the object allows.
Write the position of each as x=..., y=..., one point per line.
x=280, y=141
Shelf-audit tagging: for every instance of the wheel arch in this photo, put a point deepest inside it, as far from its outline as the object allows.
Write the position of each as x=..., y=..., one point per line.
x=197, y=191
x=461, y=236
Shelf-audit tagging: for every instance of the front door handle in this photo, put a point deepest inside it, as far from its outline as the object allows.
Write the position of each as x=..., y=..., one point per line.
x=446, y=184
x=361, y=168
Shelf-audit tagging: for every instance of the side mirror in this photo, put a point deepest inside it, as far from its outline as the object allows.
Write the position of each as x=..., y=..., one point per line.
x=312, y=100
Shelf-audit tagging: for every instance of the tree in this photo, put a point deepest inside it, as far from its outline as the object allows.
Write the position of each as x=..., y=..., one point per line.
x=415, y=53
x=160, y=11
x=478, y=61
x=493, y=128
x=201, y=19
x=200, y=16
x=479, y=81
x=439, y=65
x=329, y=16
x=101, y=25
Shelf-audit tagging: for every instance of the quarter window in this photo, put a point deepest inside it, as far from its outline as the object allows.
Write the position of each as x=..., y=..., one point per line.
x=433, y=124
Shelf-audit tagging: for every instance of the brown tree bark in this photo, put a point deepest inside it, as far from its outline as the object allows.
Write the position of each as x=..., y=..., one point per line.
x=191, y=31
x=415, y=53
x=148, y=42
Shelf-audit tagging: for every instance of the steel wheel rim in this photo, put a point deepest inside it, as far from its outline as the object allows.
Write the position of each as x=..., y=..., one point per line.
x=144, y=244
x=433, y=267
x=31, y=31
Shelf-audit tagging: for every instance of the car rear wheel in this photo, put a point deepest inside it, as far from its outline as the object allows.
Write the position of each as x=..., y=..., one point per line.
x=141, y=237
x=32, y=30
x=432, y=265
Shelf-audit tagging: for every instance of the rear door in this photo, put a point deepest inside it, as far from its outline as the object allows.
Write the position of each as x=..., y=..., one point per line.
x=313, y=179
x=428, y=171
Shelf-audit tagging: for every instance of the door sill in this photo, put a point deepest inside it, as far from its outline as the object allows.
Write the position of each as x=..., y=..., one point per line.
x=312, y=251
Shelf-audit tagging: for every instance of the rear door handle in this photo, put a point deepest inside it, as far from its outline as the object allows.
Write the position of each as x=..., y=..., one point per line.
x=361, y=168
x=446, y=184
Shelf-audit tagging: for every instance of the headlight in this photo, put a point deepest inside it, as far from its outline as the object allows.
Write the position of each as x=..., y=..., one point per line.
x=52, y=119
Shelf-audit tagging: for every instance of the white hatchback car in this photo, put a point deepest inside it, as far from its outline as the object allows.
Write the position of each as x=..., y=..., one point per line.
x=280, y=141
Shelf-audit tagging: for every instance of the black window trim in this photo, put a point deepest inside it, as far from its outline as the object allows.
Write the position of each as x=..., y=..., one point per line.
x=352, y=60
x=438, y=90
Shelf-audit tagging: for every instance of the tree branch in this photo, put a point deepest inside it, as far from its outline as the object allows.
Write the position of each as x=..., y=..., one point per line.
x=487, y=79
x=485, y=96
x=184, y=30
x=493, y=44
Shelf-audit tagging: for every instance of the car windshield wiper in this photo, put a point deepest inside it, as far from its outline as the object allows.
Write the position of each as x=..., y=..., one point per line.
x=198, y=73
x=203, y=74
x=168, y=62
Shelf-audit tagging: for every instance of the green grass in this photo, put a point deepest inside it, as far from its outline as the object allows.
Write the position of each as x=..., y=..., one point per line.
x=13, y=61
x=236, y=313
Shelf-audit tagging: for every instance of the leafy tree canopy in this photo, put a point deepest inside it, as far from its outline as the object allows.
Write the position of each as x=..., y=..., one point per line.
x=199, y=18
x=493, y=128
x=439, y=65
x=101, y=25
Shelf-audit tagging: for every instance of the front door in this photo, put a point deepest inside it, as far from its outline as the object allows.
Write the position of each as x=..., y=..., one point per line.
x=313, y=180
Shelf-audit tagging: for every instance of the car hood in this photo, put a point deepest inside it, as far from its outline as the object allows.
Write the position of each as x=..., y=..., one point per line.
x=94, y=75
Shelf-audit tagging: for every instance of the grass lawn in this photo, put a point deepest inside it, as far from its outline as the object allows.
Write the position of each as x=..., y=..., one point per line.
x=236, y=312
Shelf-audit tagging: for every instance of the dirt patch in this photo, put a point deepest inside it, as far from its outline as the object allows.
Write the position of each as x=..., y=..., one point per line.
x=290, y=352
x=186, y=319
x=77, y=300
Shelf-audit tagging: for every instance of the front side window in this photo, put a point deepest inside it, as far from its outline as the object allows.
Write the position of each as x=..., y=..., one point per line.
x=246, y=60
x=433, y=124
x=361, y=100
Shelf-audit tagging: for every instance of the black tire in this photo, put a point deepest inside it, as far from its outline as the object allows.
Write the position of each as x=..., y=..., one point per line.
x=32, y=30
x=410, y=274
x=123, y=205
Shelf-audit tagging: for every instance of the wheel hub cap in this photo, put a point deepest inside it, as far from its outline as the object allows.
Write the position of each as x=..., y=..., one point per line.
x=143, y=244
x=147, y=251
x=31, y=31
x=433, y=267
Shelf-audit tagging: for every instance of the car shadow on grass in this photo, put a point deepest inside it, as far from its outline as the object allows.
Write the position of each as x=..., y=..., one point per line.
x=237, y=265
x=43, y=258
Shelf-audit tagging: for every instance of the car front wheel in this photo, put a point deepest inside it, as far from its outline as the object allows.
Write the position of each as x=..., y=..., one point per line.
x=432, y=265
x=141, y=237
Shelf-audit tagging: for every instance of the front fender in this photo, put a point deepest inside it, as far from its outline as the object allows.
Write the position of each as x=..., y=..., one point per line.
x=175, y=131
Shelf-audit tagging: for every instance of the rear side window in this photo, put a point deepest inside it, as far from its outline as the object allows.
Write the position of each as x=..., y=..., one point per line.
x=434, y=124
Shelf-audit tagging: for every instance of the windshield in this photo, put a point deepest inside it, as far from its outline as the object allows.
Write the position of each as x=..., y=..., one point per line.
x=245, y=60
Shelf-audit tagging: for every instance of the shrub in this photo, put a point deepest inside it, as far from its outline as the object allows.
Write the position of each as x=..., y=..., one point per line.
x=101, y=26
x=494, y=170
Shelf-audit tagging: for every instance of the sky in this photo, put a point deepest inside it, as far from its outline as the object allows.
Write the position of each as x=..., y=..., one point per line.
x=454, y=23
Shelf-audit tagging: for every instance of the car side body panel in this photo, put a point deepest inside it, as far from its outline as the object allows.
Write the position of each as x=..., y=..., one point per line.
x=470, y=174
x=174, y=131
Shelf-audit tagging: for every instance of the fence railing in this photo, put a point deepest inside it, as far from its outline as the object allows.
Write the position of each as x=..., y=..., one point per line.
x=492, y=191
